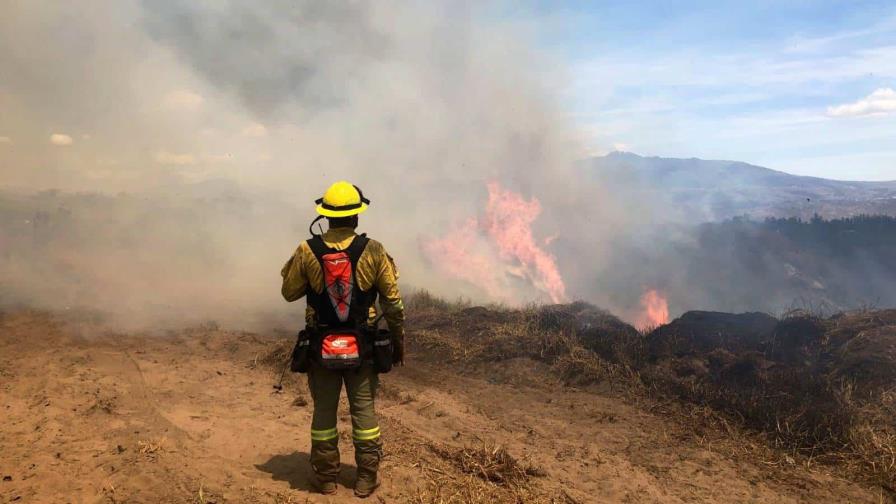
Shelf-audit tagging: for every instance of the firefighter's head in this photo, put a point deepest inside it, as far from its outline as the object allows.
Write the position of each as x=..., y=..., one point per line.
x=341, y=204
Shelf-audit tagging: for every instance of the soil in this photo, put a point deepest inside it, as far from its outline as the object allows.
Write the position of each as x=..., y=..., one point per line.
x=91, y=415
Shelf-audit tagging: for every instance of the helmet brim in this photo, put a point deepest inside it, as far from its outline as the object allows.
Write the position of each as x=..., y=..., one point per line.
x=341, y=213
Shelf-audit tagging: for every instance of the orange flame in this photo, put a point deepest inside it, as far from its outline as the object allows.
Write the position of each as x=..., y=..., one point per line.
x=468, y=251
x=508, y=221
x=655, y=310
x=459, y=254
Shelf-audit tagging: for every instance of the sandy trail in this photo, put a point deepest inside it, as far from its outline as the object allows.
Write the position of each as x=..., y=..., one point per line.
x=94, y=416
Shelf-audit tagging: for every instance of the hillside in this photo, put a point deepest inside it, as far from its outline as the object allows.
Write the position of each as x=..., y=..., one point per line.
x=715, y=190
x=96, y=415
x=771, y=265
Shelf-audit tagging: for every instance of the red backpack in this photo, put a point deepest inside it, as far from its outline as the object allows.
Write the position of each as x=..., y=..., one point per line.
x=342, y=308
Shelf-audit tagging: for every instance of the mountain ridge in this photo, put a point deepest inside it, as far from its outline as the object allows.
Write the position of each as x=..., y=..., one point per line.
x=719, y=189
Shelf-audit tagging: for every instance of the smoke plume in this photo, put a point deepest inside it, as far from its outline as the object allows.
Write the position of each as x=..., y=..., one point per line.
x=183, y=142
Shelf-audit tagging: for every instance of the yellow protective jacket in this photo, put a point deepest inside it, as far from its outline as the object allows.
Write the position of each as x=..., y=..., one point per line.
x=375, y=269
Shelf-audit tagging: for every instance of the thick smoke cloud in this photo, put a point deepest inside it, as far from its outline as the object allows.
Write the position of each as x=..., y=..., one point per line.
x=223, y=120
x=277, y=56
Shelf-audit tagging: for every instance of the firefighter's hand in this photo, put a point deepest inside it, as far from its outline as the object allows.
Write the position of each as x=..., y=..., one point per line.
x=398, y=350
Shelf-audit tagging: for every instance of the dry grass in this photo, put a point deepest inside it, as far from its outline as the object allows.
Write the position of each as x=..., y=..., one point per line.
x=490, y=463
x=151, y=448
x=484, y=474
x=810, y=397
x=205, y=496
x=478, y=475
x=817, y=390
x=471, y=338
x=276, y=357
x=421, y=300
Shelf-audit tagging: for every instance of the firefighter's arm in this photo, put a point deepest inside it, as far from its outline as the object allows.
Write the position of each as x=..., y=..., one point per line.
x=390, y=302
x=295, y=279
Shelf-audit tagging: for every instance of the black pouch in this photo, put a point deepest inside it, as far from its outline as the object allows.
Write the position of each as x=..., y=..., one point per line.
x=301, y=354
x=382, y=351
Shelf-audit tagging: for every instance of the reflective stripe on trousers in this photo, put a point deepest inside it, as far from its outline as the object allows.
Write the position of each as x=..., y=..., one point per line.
x=365, y=435
x=324, y=435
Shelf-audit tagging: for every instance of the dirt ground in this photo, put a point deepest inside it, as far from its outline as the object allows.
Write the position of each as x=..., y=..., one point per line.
x=90, y=415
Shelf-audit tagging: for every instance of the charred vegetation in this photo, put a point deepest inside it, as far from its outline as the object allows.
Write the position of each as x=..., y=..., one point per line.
x=815, y=389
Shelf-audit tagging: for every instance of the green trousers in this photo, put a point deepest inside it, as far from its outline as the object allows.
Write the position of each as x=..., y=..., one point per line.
x=360, y=385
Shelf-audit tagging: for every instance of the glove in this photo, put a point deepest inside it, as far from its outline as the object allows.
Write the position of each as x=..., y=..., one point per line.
x=398, y=349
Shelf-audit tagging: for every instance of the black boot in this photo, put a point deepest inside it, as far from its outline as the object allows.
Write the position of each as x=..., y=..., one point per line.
x=367, y=456
x=325, y=463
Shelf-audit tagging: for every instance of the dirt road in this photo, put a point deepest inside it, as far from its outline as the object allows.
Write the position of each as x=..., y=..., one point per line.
x=94, y=416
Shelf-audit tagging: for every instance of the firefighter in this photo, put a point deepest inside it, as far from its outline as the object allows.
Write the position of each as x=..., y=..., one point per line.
x=341, y=308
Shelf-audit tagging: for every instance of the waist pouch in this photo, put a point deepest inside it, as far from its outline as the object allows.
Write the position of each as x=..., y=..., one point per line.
x=301, y=354
x=382, y=351
x=340, y=348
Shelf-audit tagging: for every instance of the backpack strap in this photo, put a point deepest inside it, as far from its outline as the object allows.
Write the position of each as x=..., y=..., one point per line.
x=319, y=248
x=356, y=248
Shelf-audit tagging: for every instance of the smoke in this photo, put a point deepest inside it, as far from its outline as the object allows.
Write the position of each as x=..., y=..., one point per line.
x=160, y=159
x=197, y=134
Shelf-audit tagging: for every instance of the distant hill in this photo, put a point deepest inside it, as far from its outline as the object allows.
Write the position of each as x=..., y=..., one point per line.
x=714, y=190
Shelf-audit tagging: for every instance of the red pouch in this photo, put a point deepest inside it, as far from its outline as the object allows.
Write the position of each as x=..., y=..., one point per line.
x=341, y=349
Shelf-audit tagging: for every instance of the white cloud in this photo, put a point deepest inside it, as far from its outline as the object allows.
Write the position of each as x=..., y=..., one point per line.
x=880, y=102
x=170, y=158
x=60, y=139
x=5, y=140
x=183, y=99
x=255, y=130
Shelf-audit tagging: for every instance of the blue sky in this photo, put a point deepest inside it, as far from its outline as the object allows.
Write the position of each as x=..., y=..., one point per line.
x=808, y=87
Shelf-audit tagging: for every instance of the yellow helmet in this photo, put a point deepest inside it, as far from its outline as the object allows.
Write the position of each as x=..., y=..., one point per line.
x=342, y=200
